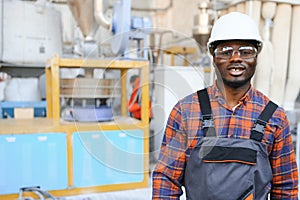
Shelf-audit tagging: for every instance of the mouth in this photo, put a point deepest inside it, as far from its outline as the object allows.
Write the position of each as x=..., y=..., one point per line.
x=236, y=70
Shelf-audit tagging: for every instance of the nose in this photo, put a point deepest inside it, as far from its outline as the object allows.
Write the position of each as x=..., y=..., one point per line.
x=235, y=55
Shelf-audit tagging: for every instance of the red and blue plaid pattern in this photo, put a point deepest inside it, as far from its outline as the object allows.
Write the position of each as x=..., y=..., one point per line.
x=183, y=130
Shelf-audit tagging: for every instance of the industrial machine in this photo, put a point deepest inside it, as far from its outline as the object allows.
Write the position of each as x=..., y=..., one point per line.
x=91, y=98
x=25, y=46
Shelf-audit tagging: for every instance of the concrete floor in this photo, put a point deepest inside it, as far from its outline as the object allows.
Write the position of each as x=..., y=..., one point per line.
x=136, y=194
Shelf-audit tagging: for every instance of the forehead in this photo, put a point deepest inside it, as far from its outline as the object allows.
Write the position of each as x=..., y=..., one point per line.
x=235, y=43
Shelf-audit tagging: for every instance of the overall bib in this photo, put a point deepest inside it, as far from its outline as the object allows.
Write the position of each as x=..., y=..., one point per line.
x=229, y=168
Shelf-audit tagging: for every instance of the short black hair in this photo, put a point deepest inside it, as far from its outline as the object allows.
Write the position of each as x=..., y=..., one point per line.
x=133, y=78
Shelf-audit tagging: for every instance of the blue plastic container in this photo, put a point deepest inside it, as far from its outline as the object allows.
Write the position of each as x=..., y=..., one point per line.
x=7, y=108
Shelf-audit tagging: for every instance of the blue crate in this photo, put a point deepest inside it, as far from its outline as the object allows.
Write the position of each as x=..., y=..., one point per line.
x=7, y=108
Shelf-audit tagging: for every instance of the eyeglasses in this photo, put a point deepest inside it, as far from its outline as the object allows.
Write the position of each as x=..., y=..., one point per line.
x=245, y=52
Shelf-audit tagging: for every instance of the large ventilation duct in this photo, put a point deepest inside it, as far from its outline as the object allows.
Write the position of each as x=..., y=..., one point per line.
x=83, y=12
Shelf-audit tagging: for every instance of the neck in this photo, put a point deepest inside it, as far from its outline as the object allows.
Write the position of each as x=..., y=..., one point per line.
x=232, y=95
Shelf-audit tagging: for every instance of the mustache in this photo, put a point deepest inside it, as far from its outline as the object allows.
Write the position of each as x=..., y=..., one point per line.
x=236, y=65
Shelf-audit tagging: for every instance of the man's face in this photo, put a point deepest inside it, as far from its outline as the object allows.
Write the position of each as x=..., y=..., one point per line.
x=235, y=63
x=136, y=83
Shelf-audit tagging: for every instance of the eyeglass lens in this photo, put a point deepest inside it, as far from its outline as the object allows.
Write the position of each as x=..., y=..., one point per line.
x=227, y=52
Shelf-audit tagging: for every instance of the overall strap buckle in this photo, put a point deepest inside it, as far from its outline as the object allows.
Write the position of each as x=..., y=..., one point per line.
x=259, y=126
x=257, y=132
x=207, y=116
x=207, y=121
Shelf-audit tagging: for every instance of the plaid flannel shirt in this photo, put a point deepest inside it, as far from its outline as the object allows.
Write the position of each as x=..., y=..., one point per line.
x=183, y=130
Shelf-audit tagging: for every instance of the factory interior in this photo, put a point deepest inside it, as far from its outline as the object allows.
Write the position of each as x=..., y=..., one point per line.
x=67, y=74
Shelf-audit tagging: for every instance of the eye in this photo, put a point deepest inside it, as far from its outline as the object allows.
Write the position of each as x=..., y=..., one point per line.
x=226, y=52
x=246, y=52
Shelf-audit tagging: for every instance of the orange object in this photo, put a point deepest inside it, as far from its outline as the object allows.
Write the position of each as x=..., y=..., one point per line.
x=134, y=106
x=250, y=197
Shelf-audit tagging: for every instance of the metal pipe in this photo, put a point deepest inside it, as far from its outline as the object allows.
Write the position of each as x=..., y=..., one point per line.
x=161, y=34
x=222, y=5
x=98, y=13
x=265, y=67
x=293, y=84
x=280, y=40
x=170, y=5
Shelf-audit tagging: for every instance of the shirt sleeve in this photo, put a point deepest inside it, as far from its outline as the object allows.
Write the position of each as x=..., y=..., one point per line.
x=169, y=172
x=284, y=167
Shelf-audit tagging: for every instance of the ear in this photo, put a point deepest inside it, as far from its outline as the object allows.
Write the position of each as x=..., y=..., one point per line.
x=214, y=61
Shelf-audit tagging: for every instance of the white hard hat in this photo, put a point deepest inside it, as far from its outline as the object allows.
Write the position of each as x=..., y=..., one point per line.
x=234, y=26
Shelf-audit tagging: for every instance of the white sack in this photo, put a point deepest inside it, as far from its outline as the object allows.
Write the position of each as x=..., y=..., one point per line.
x=22, y=89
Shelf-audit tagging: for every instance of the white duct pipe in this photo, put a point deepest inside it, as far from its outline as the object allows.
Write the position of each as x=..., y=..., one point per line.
x=99, y=16
x=280, y=40
x=265, y=65
x=249, y=5
x=293, y=83
x=253, y=9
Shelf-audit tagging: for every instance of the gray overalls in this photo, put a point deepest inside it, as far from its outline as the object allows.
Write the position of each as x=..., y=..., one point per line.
x=229, y=168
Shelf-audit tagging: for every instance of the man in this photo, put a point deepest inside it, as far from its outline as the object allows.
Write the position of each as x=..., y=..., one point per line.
x=228, y=141
x=134, y=103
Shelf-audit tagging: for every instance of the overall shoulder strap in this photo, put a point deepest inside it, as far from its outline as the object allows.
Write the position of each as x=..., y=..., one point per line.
x=260, y=124
x=207, y=116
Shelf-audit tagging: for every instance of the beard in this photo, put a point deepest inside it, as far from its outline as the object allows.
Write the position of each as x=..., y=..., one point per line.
x=236, y=83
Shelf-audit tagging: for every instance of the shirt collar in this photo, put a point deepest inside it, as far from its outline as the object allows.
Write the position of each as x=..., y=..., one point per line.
x=217, y=94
